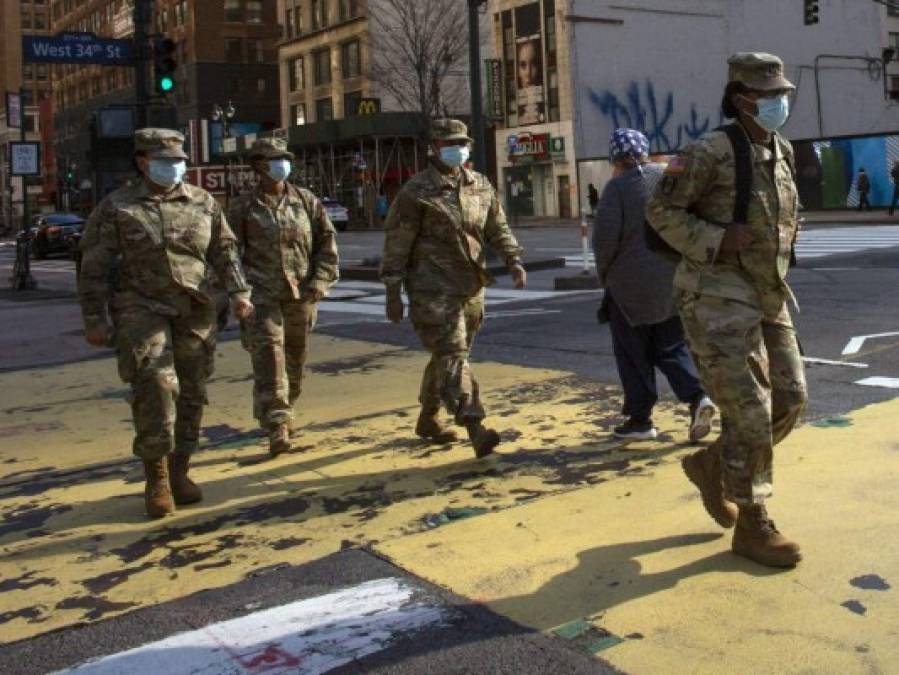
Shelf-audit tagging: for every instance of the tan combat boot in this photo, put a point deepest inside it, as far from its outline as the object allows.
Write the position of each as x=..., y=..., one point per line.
x=703, y=468
x=279, y=440
x=757, y=538
x=184, y=490
x=431, y=428
x=157, y=493
x=483, y=440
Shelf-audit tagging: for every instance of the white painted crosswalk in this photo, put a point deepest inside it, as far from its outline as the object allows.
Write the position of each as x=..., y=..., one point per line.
x=818, y=243
x=308, y=636
x=367, y=298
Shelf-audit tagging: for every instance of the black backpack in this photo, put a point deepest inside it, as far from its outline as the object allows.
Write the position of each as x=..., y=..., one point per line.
x=743, y=185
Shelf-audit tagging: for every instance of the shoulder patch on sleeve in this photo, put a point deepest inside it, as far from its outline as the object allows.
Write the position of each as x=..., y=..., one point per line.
x=677, y=166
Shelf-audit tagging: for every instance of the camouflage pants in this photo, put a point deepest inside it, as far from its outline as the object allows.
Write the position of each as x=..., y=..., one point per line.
x=751, y=367
x=167, y=361
x=447, y=327
x=276, y=337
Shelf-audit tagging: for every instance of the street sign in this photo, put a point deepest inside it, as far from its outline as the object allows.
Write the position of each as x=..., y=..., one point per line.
x=26, y=158
x=76, y=48
x=13, y=110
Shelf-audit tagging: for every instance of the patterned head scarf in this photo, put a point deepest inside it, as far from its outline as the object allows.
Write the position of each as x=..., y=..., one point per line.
x=627, y=143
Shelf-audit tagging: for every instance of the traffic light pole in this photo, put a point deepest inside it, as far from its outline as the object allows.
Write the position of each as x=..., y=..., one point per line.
x=143, y=18
x=474, y=64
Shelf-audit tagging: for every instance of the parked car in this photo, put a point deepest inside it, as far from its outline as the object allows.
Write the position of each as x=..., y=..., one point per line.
x=338, y=214
x=55, y=233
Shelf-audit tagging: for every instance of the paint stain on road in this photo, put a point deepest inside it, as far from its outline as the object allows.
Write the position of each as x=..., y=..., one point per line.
x=103, y=582
x=95, y=607
x=870, y=582
x=25, y=582
x=29, y=518
x=855, y=607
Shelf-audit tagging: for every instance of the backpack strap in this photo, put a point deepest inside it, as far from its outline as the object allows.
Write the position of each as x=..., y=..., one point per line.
x=743, y=169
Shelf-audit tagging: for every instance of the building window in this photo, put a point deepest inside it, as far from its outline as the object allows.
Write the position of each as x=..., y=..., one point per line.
x=893, y=10
x=894, y=42
x=43, y=71
x=295, y=74
x=322, y=62
x=232, y=11
x=298, y=18
x=351, y=103
x=26, y=20
x=349, y=59
x=324, y=110
x=348, y=9
x=233, y=50
x=235, y=86
x=257, y=51
x=28, y=71
x=298, y=114
x=289, y=30
x=254, y=11
x=181, y=12
x=40, y=21
x=260, y=85
x=95, y=86
x=319, y=14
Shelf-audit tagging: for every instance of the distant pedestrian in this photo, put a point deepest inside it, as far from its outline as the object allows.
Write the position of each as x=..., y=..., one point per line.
x=381, y=206
x=863, y=185
x=894, y=174
x=646, y=331
x=592, y=197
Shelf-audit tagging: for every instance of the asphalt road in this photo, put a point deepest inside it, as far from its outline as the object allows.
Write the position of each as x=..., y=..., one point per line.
x=847, y=285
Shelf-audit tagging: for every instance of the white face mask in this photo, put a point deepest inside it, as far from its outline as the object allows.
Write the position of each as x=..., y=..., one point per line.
x=166, y=173
x=279, y=169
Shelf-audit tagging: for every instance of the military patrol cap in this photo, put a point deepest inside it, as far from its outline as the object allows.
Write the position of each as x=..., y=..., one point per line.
x=758, y=70
x=156, y=142
x=449, y=130
x=270, y=148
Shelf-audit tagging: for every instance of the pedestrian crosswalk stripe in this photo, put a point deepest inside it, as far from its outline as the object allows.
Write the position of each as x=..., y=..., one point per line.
x=308, y=636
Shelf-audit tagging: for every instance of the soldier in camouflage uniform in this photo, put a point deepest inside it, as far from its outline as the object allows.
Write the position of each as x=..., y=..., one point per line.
x=436, y=233
x=732, y=297
x=163, y=234
x=289, y=251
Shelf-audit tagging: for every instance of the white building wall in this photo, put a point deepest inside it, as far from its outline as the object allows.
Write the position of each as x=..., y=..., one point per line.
x=660, y=65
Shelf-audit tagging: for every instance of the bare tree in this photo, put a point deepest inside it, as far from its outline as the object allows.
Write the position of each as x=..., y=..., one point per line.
x=418, y=49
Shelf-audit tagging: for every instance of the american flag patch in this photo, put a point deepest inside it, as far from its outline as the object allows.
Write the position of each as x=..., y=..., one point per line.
x=676, y=166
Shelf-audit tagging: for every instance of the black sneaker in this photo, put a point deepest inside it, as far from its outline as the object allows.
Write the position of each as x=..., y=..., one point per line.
x=641, y=430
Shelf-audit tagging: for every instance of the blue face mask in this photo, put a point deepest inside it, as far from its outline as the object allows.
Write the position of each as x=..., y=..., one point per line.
x=279, y=169
x=454, y=155
x=165, y=172
x=773, y=112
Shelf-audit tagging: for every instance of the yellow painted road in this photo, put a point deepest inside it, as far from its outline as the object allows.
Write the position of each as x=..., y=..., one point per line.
x=565, y=528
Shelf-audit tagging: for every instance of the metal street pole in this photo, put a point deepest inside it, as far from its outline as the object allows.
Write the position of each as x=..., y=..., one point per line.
x=474, y=64
x=23, y=279
x=143, y=18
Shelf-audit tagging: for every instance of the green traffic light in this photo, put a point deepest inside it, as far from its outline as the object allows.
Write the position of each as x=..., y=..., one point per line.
x=166, y=83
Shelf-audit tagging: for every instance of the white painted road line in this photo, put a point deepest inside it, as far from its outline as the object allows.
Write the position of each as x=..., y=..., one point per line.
x=831, y=362
x=308, y=636
x=855, y=344
x=888, y=382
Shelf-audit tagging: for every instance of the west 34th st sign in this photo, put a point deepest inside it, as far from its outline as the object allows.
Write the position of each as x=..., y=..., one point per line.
x=76, y=48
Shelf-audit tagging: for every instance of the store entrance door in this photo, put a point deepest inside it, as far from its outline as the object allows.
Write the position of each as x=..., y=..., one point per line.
x=564, y=197
x=519, y=192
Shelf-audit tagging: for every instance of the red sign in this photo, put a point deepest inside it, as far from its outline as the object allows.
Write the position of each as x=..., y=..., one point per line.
x=529, y=147
x=215, y=179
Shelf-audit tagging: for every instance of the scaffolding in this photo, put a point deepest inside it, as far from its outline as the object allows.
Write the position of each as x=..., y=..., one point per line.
x=358, y=159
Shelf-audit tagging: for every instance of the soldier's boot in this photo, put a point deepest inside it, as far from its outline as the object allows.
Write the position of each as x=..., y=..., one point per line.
x=184, y=490
x=757, y=538
x=703, y=468
x=279, y=440
x=430, y=427
x=483, y=440
x=157, y=492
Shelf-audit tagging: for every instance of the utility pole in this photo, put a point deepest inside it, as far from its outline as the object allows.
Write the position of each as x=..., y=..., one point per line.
x=143, y=21
x=474, y=64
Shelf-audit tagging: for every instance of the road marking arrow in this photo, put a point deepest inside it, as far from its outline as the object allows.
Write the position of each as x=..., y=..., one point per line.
x=830, y=362
x=888, y=382
x=856, y=343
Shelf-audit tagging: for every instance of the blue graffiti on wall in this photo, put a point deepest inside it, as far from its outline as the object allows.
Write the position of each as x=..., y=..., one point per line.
x=655, y=117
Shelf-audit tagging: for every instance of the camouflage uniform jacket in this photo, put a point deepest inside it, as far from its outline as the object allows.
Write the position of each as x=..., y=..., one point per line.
x=288, y=243
x=163, y=245
x=696, y=197
x=436, y=232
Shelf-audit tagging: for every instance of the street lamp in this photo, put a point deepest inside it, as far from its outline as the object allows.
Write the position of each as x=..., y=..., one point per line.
x=225, y=115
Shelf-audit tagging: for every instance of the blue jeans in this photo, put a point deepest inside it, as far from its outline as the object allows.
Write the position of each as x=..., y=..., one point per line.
x=639, y=350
